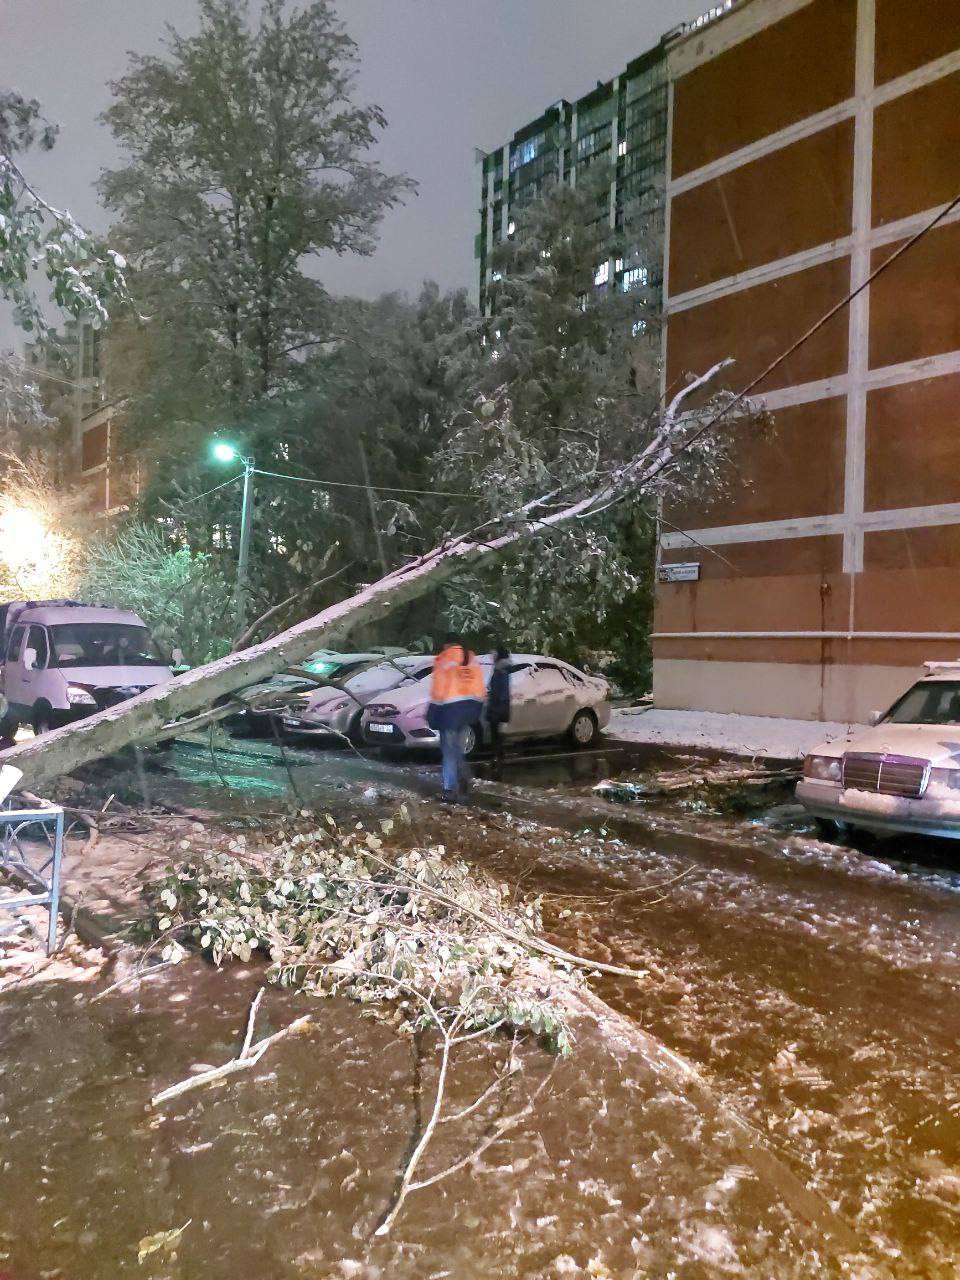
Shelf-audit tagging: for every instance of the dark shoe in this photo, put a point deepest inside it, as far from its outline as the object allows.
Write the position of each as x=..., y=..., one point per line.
x=447, y=797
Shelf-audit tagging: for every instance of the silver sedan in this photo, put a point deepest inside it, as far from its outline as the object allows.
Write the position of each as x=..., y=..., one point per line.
x=548, y=699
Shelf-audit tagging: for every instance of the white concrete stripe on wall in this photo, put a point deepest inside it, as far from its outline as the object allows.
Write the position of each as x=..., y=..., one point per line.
x=859, y=311
x=891, y=375
x=743, y=21
x=794, y=262
x=892, y=518
x=916, y=79
x=805, y=635
x=762, y=147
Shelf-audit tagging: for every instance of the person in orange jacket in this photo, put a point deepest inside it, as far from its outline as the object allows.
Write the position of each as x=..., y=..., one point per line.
x=457, y=694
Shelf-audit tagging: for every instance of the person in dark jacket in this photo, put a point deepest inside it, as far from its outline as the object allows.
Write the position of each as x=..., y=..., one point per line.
x=498, y=703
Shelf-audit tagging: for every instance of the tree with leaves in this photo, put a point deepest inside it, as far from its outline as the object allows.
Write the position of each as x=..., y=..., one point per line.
x=578, y=363
x=244, y=159
x=35, y=237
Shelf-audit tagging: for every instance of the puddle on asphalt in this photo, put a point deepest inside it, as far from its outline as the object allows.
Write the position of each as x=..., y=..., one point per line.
x=286, y=1171
x=814, y=985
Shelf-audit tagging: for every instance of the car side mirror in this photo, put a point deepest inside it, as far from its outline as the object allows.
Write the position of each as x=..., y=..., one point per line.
x=30, y=659
x=874, y=717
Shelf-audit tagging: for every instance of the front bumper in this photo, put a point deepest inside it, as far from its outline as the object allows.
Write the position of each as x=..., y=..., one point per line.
x=381, y=733
x=933, y=815
x=298, y=727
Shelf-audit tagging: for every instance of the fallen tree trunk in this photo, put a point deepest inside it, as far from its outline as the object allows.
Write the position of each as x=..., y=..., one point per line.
x=150, y=714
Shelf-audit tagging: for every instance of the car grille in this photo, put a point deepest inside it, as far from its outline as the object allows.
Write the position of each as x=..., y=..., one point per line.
x=112, y=696
x=887, y=775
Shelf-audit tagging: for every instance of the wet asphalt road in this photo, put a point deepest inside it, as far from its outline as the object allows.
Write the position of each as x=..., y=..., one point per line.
x=814, y=984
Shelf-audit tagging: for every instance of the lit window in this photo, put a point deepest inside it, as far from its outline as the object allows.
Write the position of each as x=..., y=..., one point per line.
x=602, y=274
x=619, y=266
x=497, y=277
x=511, y=227
x=622, y=148
x=582, y=302
x=639, y=327
x=635, y=278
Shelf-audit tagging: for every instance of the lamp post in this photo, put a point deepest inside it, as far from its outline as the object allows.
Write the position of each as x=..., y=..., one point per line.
x=225, y=452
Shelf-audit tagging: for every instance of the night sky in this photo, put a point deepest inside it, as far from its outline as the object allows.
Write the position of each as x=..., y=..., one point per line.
x=451, y=75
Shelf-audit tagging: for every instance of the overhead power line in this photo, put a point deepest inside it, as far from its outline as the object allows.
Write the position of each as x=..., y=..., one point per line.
x=379, y=488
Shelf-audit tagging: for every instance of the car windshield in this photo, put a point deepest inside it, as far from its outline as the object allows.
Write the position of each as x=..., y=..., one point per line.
x=103, y=644
x=929, y=702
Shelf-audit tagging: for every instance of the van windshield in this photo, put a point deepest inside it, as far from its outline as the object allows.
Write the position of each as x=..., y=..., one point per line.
x=929, y=702
x=103, y=644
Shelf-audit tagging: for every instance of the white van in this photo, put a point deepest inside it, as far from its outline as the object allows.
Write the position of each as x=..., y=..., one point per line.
x=63, y=661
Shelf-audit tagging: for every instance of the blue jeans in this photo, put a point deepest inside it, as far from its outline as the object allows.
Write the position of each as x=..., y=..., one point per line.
x=451, y=750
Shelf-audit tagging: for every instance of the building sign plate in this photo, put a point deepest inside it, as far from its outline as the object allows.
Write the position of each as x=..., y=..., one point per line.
x=689, y=572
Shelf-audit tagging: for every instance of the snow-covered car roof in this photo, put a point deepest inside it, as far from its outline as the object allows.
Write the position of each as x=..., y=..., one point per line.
x=942, y=671
x=55, y=615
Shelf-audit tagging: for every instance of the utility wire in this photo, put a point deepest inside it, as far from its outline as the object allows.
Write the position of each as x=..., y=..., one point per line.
x=40, y=372
x=380, y=488
x=215, y=489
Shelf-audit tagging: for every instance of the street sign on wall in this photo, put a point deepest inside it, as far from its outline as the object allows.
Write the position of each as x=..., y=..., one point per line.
x=687, y=572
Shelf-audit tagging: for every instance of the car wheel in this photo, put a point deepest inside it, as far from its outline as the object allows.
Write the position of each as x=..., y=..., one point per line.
x=471, y=740
x=831, y=830
x=9, y=725
x=584, y=729
x=354, y=730
x=42, y=718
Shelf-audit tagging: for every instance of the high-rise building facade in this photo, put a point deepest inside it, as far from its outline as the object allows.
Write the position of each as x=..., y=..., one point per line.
x=809, y=140
x=621, y=124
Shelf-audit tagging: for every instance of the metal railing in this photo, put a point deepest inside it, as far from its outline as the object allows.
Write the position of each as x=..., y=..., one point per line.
x=31, y=851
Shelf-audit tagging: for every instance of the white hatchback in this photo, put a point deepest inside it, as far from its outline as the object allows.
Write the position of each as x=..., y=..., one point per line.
x=902, y=773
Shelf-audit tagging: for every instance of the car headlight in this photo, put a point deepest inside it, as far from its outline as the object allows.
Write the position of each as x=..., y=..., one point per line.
x=78, y=697
x=823, y=768
x=946, y=778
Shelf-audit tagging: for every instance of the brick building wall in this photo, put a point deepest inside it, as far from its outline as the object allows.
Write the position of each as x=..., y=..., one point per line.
x=807, y=140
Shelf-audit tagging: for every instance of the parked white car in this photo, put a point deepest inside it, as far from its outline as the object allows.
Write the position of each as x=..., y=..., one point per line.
x=335, y=711
x=64, y=661
x=548, y=699
x=901, y=774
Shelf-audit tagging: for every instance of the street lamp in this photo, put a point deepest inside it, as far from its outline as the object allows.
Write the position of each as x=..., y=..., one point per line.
x=223, y=451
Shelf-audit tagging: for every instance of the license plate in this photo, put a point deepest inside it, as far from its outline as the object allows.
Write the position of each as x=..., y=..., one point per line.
x=381, y=728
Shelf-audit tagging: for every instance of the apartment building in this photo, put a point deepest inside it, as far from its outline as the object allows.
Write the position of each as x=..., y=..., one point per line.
x=621, y=124
x=72, y=387
x=808, y=141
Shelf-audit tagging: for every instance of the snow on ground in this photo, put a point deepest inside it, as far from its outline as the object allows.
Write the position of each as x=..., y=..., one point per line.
x=719, y=731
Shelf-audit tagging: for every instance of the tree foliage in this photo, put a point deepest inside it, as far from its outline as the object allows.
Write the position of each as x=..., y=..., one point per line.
x=244, y=158
x=83, y=273
x=180, y=594
x=563, y=372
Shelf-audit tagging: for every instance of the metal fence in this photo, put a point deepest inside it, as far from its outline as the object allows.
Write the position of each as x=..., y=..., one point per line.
x=31, y=850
